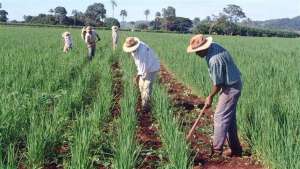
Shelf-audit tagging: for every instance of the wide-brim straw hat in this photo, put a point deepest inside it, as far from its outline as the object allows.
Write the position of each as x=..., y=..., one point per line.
x=131, y=44
x=66, y=34
x=114, y=28
x=89, y=28
x=199, y=43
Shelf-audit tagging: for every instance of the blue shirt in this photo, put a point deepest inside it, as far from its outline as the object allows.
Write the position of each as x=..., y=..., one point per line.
x=221, y=67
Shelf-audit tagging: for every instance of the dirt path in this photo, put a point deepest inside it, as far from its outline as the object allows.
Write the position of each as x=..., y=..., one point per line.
x=148, y=137
x=188, y=106
x=117, y=88
x=117, y=92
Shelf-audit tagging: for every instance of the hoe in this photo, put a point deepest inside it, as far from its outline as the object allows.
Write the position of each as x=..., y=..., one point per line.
x=188, y=137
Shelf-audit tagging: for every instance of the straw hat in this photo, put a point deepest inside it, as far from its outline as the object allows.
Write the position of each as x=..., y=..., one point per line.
x=131, y=44
x=89, y=28
x=115, y=28
x=199, y=43
x=66, y=34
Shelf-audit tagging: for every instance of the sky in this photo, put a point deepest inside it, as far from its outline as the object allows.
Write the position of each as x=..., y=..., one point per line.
x=254, y=9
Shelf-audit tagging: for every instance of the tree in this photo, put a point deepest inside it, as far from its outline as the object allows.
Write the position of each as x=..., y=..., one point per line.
x=142, y=26
x=157, y=15
x=123, y=13
x=147, y=13
x=27, y=18
x=60, y=13
x=169, y=12
x=51, y=11
x=95, y=13
x=196, y=21
x=109, y=22
x=234, y=13
x=3, y=16
x=75, y=14
x=156, y=24
x=0, y=5
x=132, y=23
x=114, y=4
x=179, y=24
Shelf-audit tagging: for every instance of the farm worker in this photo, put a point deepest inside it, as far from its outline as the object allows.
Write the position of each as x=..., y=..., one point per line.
x=83, y=33
x=147, y=64
x=67, y=41
x=91, y=38
x=115, y=36
x=226, y=80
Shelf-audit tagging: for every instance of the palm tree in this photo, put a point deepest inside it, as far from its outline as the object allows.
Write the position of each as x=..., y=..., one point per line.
x=75, y=13
x=157, y=14
x=114, y=4
x=147, y=12
x=123, y=14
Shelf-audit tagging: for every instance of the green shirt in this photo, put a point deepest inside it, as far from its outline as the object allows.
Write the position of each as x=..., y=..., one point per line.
x=221, y=67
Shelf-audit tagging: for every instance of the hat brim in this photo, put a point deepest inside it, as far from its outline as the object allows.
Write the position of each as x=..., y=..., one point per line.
x=202, y=47
x=133, y=48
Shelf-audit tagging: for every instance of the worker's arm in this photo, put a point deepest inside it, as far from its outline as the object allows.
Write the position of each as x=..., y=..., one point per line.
x=215, y=90
x=98, y=37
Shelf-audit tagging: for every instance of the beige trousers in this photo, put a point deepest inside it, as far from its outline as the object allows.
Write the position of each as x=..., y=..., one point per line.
x=145, y=86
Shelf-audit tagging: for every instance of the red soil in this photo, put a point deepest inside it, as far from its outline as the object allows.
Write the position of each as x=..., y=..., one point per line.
x=117, y=89
x=147, y=135
x=200, y=142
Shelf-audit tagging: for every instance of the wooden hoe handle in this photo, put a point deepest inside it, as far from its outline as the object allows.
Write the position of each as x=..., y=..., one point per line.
x=196, y=123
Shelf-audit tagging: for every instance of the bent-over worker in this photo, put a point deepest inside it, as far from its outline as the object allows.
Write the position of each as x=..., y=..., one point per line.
x=147, y=64
x=226, y=80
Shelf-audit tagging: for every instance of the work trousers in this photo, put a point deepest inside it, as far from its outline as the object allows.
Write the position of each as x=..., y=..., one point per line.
x=225, y=126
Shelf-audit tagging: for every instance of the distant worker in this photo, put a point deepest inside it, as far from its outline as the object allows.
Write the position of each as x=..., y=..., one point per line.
x=83, y=33
x=67, y=41
x=226, y=80
x=115, y=36
x=147, y=67
x=91, y=38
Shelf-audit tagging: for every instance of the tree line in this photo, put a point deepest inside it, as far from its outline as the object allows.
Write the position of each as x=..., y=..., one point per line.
x=231, y=21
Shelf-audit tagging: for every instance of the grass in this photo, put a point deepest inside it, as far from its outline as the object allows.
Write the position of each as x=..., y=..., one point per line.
x=44, y=94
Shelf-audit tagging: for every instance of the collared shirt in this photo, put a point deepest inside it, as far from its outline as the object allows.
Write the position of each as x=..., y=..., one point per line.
x=90, y=39
x=221, y=66
x=145, y=59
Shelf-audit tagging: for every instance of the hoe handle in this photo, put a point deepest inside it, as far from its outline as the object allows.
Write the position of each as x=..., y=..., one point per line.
x=196, y=123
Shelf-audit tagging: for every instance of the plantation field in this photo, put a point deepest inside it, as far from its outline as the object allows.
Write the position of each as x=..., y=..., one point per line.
x=59, y=111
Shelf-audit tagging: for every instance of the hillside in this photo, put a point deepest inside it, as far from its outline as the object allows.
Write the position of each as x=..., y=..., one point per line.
x=283, y=23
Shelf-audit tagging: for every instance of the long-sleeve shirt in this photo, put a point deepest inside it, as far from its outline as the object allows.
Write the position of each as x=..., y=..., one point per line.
x=115, y=37
x=146, y=60
x=221, y=67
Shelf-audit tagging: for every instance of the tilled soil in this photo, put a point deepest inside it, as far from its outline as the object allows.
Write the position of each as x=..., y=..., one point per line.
x=148, y=137
x=117, y=92
x=117, y=88
x=188, y=106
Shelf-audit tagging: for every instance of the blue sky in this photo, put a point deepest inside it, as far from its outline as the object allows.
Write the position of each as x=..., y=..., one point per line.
x=255, y=9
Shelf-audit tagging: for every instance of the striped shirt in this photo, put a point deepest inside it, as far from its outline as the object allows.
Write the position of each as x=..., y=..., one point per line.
x=221, y=67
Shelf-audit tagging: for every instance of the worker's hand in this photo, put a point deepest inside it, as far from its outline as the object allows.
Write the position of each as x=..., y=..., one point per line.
x=137, y=79
x=208, y=101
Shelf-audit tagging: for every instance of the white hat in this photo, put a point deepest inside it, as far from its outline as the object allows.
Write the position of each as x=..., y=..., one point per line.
x=114, y=27
x=131, y=44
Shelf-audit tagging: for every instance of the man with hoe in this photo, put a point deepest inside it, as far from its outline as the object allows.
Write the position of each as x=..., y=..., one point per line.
x=147, y=66
x=226, y=80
